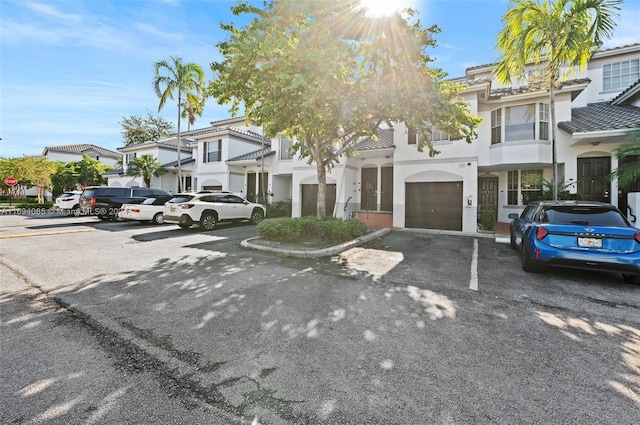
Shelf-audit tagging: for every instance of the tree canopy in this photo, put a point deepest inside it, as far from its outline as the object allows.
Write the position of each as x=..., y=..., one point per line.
x=29, y=171
x=137, y=129
x=325, y=74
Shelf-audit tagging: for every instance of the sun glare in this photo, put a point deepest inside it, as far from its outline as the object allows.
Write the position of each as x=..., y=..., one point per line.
x=379, y=8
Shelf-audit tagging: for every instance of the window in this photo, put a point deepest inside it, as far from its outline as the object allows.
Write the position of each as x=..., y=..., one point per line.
x=523, y=186
x=212, y=151
x=437, y=135
x=413, y=136
x=130, y=157
x=519, y=123
x=619, y=76
x=512, y=188
x=544, y=121
x=285, y=144
x=496, y=126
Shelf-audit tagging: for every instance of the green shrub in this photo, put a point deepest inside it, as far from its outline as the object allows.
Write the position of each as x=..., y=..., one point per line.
x=23, y=204
x=306, y=229
x=279, y=209
x=487, y=219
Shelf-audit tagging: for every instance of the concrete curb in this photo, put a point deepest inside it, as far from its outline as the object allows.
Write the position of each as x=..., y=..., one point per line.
x=316, y=253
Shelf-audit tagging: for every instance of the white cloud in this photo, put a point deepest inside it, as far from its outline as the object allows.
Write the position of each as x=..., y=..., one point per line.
x=50, y=11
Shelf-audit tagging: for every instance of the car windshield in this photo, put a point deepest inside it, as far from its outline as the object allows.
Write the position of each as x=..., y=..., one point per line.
x=179, y=199
x=148, y=201
x=592, y=216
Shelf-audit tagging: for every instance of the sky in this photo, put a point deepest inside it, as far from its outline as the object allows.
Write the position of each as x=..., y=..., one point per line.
x=70, y=71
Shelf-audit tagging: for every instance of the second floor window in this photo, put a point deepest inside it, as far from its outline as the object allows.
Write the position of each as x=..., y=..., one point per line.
x=212, y=151
x=413, y=136
x=130, y=157
x=496, y=126
x=438, y=135
x=285, y=144
x=620, y=75
x=544, y=121
x=520, y=123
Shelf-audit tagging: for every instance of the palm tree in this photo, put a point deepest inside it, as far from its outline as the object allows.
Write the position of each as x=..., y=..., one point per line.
x=185, y=78
x=629, y=171
x=556, y=33
x=192, y=107
x=146, y=167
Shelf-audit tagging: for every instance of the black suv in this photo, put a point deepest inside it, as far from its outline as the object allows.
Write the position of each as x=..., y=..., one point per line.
x=105, y=202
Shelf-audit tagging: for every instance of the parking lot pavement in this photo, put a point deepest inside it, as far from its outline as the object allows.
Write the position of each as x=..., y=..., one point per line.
x=389, y=333
x=54, y=370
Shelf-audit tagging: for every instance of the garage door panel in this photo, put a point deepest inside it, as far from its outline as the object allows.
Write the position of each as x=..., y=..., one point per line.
x=310, y=199
x=434, y=205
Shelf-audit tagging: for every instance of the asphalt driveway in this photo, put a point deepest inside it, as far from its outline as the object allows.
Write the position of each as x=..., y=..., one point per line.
x=389, y=333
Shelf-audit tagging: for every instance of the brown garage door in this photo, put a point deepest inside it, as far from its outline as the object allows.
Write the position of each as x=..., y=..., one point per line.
x=434, y=205
x=310, y=199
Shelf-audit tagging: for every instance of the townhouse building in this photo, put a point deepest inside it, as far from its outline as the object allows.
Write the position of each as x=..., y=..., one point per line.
x=73, y=153
x=390, y=183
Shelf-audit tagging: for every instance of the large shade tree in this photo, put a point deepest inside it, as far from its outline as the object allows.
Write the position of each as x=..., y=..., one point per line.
x=326, y=74
x=29, y=171
x=184, y=79
x=548, y=35
x=137, y=129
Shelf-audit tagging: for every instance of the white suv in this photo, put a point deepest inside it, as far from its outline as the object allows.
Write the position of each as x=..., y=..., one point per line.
x=69, y=202
x=206, y=209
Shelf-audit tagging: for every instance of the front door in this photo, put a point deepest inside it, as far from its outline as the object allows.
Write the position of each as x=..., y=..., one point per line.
x=488, y=194
x=593, y=184
x=369, y=194
x=386, y=197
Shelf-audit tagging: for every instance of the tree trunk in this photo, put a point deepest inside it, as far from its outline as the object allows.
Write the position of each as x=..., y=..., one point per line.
x=322, y=189
x=179, y=146
x=554, y=148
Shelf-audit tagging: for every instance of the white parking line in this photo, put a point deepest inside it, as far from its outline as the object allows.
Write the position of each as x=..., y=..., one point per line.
x=473, y=282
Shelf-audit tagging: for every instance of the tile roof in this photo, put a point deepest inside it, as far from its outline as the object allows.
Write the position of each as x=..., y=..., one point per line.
x=169, y=142
x=182, y=162
x=210, y=130
x=596, y=53
x=82, y=148
x=254, y=155
x=116, y=172
x=601, y=116
x=627, y=94
x=507, y=91
x=385, y=141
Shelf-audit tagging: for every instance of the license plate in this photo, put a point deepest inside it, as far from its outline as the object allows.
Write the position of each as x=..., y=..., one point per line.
x=590, y=242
